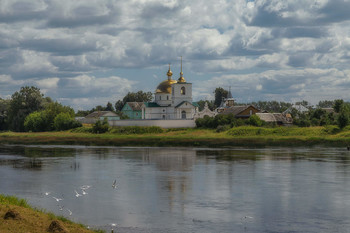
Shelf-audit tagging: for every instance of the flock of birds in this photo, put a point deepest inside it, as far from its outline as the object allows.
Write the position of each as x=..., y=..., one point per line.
x=83, y=191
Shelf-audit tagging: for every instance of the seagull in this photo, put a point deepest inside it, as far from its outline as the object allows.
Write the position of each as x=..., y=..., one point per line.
x=70, y=212
x=114, y=185
x=77, y=194
x=85, y=187
x=84, y=193
x=61, y=207
x=57, y=199
x=47, y=193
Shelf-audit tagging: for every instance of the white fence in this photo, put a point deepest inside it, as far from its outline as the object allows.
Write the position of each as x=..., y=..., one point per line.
x=160, y=123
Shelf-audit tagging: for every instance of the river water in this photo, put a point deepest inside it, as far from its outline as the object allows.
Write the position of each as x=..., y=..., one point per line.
x=185, y=189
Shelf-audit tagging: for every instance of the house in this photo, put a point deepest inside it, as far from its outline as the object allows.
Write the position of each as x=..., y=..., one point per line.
x=99, y=115
x=133, y=110
x=243, y=112
x=276, y=118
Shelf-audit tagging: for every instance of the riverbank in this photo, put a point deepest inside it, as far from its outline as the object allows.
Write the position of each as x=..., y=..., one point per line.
x=239, y=136
x=17, y=216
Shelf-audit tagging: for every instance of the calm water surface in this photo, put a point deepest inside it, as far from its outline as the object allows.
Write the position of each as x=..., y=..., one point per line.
x=185, y=189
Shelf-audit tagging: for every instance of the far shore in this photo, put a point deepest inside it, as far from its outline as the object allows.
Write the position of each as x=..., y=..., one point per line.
x=240, y=136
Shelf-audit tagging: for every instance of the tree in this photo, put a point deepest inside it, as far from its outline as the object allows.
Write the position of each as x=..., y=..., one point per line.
x=64, y=121
x=254, y=120
x=220, y=93
x=344, y=116
x=139, y=96
x=337, y=105
x=36, y=122
x=109, y=107
x=24, y=102
x=100, y=127
x=325, y=104
x=4, y=108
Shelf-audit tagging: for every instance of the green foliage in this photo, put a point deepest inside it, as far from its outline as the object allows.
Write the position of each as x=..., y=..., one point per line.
x=136, y=130
x=254, y=120
x=44, y=120
x=65, y=121
x=4, y=108
x=201, y=104
x=36, y=122
x=344, y=116
x=271, y=106
x=100, y=127
x=12, y=200
x=220, y=93
x=24, y=102
x=222, y=128
x=139, y=96
x=331, y=129
x=338, y=104
x=326, y=104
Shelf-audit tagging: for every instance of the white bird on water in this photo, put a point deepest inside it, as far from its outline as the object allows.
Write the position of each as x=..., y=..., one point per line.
x=77, y=194
x=114, y=185
x=70, y=212
x=47, y=193
x=57, y=199
x=83, y=192
x=61, y=207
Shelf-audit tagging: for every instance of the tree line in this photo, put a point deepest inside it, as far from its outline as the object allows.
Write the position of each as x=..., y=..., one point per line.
x=29, y=110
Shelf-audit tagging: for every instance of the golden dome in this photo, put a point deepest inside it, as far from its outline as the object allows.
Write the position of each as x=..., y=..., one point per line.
x=165, y=86
x=181, y=80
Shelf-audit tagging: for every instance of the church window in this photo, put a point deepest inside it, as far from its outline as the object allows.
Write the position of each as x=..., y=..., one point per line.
x=183, y=114
x=163, y=117
x=167, y=97
x=183, y=91
x=160, y=97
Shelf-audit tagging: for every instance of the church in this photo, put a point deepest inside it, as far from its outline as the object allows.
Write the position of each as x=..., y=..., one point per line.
x=172, y=100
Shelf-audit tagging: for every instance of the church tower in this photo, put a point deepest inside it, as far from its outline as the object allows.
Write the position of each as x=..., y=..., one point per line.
x=181, y=90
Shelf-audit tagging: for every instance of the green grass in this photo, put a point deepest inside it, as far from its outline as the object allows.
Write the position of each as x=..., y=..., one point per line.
x=155, y=136
x=11, y=200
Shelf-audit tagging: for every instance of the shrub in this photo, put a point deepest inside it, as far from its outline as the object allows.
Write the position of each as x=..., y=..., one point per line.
x=331, y=129
x=100, y=127
x=254, y=120
x=64, y=121
x=35, y=122
x=344, y=117
x=222, y=128
x=82, y=130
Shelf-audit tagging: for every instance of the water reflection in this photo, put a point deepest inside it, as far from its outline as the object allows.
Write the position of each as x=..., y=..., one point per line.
x=186, y=189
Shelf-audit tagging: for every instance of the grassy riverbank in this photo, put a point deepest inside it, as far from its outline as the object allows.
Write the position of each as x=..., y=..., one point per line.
x=20, y=217
x=238, y=136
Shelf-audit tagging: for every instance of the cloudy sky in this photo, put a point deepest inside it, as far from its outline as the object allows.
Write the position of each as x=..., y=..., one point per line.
x=85, y=53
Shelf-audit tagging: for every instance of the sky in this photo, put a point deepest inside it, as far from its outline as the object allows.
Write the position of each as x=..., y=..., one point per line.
x=84, y=53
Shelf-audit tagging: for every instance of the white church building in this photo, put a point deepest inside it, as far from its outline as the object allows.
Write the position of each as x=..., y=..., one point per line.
x=172, y=100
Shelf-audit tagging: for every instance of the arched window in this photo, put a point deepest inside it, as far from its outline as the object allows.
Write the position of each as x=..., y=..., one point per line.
x=160, y=97
x=183, y=114
x=167, y=97
x=163, y=117
x=183, y=91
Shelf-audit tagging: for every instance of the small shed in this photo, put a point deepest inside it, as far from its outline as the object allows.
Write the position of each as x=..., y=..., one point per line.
x=244, y=111
x=133, y=109
x=277, y=118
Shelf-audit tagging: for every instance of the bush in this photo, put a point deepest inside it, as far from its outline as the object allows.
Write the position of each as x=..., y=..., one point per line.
x=35, y=122
x=331, y=129
x=100, y=127
x=222, y=128
x=344, y=117
x=254, y=120
x=65, y=121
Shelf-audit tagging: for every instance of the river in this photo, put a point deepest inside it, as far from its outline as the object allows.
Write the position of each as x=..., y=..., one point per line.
x=185, y=189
